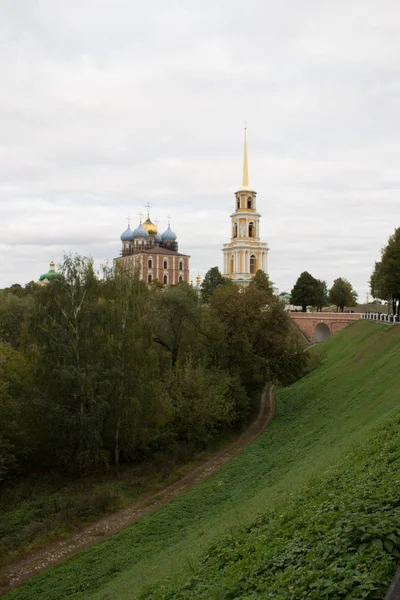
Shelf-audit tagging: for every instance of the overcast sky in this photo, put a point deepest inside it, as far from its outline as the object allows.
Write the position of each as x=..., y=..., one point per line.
x=106, y=105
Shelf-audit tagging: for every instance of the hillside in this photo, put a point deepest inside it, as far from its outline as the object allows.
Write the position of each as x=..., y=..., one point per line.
x=307, y=474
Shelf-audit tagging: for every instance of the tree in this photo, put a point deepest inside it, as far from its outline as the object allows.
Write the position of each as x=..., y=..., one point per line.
x=66, y=331
x=304, y=291
x=321, y=294
x=202, y=400
x=262, y=282
x=342, y=294
x=16, y=407
x=13, y=310
x=174, y=315
x=385, y=279
x=131, y=367
x=212, y=280
x=253, y=339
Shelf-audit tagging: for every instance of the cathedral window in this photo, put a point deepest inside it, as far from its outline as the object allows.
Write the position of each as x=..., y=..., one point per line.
x=165, y=280
x=180, y=265
x=253, y=260
x=180, y=278
x=251, y=229
x=149, y=278
x=249, y=202
x=238, y=202
x=165, y=264
x=235, y=230
x=150, y=264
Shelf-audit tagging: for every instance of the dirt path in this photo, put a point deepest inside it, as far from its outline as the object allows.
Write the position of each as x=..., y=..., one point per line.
x=19, y=572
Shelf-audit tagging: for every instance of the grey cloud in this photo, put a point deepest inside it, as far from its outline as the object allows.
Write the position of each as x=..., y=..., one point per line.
x=111, y=105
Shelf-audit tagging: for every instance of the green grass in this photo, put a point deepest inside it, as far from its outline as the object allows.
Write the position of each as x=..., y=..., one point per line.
x=319, y=420
x=339, y=538
x=39, y=509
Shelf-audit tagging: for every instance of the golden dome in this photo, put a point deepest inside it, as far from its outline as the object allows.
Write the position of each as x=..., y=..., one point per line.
x=198, y=279
x=150, y=227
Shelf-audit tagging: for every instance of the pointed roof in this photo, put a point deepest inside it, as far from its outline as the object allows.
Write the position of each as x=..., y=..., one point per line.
x=245, y=182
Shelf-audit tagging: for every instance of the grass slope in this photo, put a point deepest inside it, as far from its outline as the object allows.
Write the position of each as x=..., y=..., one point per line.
x=318, y=421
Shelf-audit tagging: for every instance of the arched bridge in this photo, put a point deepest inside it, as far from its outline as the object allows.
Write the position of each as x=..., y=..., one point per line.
x=319, y=326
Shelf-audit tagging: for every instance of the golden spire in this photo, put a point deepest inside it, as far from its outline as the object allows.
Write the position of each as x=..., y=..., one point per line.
x=245, y=183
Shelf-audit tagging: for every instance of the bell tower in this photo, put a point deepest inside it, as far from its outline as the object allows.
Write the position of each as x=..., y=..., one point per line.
x=245, y=254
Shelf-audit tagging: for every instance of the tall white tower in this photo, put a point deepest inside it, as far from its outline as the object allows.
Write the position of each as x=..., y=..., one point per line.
x=244, y=255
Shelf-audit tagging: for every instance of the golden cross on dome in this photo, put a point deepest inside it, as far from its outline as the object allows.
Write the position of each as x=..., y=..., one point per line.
x=148, y=206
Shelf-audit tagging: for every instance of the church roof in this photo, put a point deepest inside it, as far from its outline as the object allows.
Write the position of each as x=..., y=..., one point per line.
x=160, y=250
x=51, y=274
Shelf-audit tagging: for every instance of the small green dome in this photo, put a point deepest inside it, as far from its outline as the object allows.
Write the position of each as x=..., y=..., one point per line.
x=51, y=273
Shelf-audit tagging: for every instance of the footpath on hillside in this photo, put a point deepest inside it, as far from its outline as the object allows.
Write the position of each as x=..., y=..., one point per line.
x=19, y=572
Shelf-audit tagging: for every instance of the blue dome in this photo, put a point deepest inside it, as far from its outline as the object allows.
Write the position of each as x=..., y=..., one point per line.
x=169, y=235
x=127, y=235
x=140, y=232
x=158, y=239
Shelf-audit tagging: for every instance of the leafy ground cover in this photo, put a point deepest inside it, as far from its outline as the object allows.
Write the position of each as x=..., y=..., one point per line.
x=339, y=538
x=289, y=471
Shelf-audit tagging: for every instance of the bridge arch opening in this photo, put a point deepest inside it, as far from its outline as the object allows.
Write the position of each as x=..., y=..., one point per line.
x=321, y=332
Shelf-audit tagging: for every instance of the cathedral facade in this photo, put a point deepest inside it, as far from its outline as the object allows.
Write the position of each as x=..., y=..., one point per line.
x=245, y=254
x=155, y=255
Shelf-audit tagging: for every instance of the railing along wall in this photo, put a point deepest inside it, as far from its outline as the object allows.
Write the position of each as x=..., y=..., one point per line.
x=382, y=317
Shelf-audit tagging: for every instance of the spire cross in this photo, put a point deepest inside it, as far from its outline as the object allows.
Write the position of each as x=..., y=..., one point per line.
x=141, y=216
x=148, y=209
x=169, y=220
x=129, y=221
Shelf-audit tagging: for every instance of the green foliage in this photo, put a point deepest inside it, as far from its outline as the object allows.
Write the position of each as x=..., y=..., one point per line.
x=306, y=291
x=262, y=282
x=174, y=314
x=342, y=294
x=337, y=539
x=16, y=410
x=321, y=294
x=14, y=309
x=253, y=337
x=385, y=279
x=202, y=401
x=319, y=421
x=111, y=364
x=212, y=280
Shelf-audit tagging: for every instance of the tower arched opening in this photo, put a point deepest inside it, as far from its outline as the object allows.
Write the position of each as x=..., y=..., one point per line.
x=253, y=262
x=321, y=332
x=249, y=202
x=235, y=230
x=251, y=229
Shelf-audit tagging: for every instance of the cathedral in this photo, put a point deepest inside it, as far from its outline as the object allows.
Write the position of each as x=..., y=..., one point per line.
x=245, y=254
x=155, y=254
